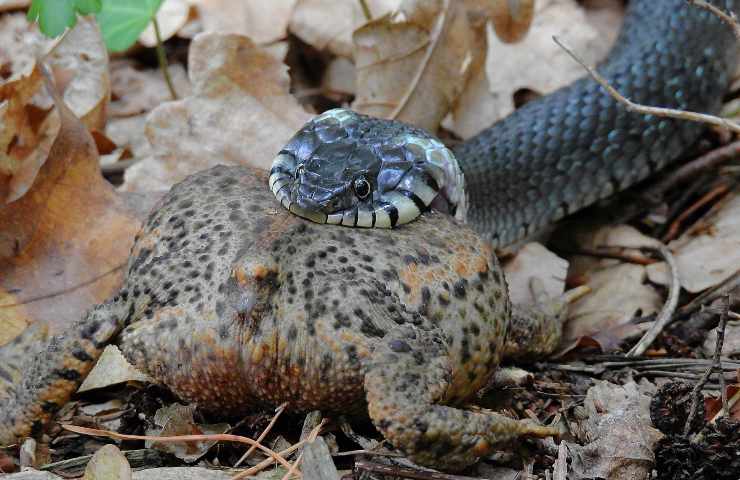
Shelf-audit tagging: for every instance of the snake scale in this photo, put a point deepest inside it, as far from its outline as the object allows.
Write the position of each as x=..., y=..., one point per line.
x=555, y=155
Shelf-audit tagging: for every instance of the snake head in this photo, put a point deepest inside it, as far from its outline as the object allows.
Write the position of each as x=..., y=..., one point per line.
x=350, y=169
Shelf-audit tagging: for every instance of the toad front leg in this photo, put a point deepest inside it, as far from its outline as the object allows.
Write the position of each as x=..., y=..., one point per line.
x=408, y=376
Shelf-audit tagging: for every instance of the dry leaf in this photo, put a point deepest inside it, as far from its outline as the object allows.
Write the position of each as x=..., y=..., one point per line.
x=731, y=344
x=6, y=5
x=178, y=419
x=263, y=22
x=63, y=243
x=339, y=77
x=108, y=463
x=27, y=129
x=413, y=64
x=618, y=293
x=618, y=436
x=20, y=43
x=171, y=17
x=328, y=24
x=707, y=259
x=512, y=19
x=240, y=112
x=128, y=133
x=534, y=260
x=139, y=91
x=536, y=63
x=110, y=369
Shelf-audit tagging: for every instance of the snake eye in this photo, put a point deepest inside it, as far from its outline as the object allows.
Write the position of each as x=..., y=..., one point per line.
x=299, y=171
x=361, y=187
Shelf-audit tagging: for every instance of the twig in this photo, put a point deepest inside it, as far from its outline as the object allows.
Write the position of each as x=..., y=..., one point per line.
x=293, y=470
x=365, y=10
x=617, y=253
x=268, y=461
x=666, y=313
x=716, y=364
x=162, y=59
x=278, y=412
x=729, y=19
x=708, y=197
x=648, y=110
x=707, y=297
x=178, y=438
x=711, y=159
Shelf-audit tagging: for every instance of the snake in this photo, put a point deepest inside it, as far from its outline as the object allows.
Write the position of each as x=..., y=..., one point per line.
x=551, y=157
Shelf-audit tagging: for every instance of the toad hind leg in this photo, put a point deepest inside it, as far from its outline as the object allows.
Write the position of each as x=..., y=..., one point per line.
x=408, y=375
x=48, y=376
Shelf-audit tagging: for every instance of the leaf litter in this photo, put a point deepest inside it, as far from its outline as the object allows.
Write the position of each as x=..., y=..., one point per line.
x=238, y=106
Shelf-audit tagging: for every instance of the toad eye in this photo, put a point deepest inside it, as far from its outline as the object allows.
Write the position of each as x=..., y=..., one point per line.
x=361, y=187
x=299, y=171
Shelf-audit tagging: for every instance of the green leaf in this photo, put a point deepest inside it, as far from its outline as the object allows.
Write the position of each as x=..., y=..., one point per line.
x=122, y=21
x=54, y=16
x=87, y=7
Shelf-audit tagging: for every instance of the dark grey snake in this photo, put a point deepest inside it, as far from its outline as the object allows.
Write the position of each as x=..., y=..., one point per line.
x=549, y=158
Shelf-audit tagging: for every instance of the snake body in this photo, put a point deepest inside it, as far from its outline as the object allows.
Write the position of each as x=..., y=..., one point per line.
x=553, y=156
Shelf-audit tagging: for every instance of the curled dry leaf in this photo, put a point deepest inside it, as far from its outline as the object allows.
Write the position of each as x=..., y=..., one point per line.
x=240, y=112
x=617, y=435
x=512, y=18
x=13, y=4
x=536, y=63
x=264, y=22
x=111, y=369
x=64, y=242
x=28, y=124
x=413, y=64
x=706, y=259
x=328, y=24
x=176, y=420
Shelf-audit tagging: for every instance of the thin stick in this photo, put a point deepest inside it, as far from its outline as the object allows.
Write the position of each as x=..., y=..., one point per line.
x=311, y=437
x=666, y=313
x=366, y=10
x=730, y=19
x=162, y=60
x=711, y=159
x=716, y=364
x=648, y=110
x=707, y=198
x=264, y=433
x=225, y=437
x=268, y=461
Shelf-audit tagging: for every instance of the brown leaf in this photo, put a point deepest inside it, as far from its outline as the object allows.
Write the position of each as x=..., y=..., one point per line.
x=707, y=259
x=617, y=436
x=26, y=127
x=63, y=243
x=536, y=63
x=176, y=419
x=413, y=64
x=309, y=22
x=240, y=112
x=263, y=22
x=512, y=18
x=139, y=91
x=618, y=292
